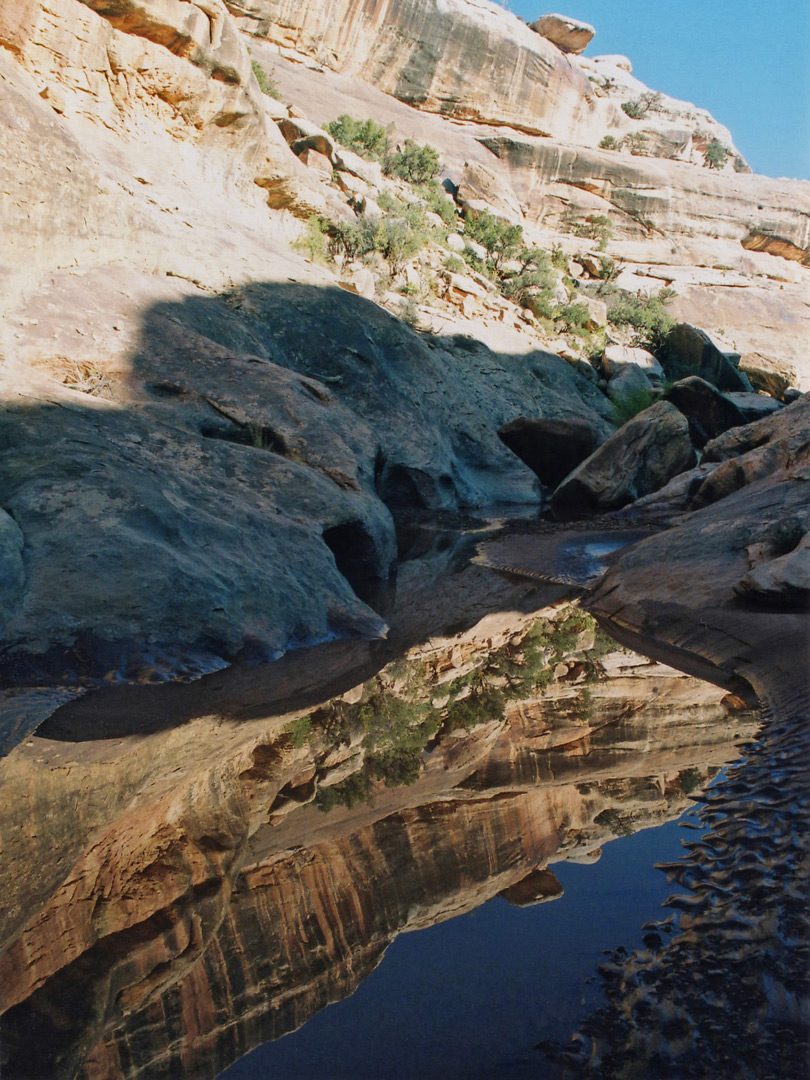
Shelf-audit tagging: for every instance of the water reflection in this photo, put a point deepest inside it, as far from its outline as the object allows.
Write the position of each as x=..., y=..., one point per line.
x=194, y=892
x=722, y=988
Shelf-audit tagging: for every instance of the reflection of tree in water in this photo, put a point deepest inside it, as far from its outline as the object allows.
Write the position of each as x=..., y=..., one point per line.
x=400, y=714
x=728, y=995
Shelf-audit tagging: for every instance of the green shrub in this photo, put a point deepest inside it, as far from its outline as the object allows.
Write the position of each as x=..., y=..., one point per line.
x=397, y=236
x=364, y=137
x=716, y=155
x=574, y=316
x=435, y=199
x=610, y=142
x=415, y=164
x=638, y=143
x=650, y=100
x=267, y=84
x=350, y=793
x=647, y=315
x=559, y=259
x=299, y=730
x=533, y=285
x=609, y=268
x=313, y=239
x=634, y=402
x=596, y=227
x=501, y=240
x=454, y=264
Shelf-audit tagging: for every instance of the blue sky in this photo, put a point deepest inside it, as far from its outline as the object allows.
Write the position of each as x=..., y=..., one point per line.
x=746, y=61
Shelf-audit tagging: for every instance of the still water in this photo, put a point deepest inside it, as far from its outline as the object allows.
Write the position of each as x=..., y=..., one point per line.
x=418, y=874
x=471, y=998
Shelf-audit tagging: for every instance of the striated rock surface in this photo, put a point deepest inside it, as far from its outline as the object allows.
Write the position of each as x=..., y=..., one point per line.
x=468, y=59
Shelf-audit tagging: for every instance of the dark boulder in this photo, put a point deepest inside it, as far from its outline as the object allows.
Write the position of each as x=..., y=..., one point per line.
x=550, y=448
x=689, y=351
x=637, y=460
x=710, y=413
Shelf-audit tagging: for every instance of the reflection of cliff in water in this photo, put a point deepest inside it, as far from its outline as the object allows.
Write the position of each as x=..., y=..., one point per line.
x=223, y=907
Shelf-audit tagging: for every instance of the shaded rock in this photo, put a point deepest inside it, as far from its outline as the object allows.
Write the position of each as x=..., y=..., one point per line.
x=783, y=581
x=535, y=888
x=754, y=406
x=313, y=159
x=551, y=448
x=637, y=460
x=710, y=413
x=12, y=569
x=302, y=134
x=689, y=351
x=617, y=356
x=776, y=244
x=569, y=35
x=755, y=451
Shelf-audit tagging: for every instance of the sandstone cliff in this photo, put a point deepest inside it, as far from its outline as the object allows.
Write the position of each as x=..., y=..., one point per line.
x=157, y=321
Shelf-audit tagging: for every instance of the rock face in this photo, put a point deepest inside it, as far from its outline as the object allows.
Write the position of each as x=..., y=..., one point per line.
x=640, y=458
x=470, y=60
x=569, y=35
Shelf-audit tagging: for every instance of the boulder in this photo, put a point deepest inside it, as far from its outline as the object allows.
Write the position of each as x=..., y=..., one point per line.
x=783, y=582
x=690, y=351
x=637, y=460
x=569, y=35
x=455, y=243
x=629, y=382
x=770, y=376
x=482, y=191
x=348, y=162
x=313, y=159
x=618, y=356
x=551, y=448
x=755, y=406
x=597, y=311
x=709, y=412
x=304, y=134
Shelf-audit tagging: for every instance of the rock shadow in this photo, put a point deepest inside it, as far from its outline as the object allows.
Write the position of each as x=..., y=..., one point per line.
x=239, y=499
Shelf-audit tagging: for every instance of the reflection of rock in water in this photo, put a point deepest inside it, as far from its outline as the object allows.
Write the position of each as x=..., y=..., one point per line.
x=728, y=994
x=207, y=903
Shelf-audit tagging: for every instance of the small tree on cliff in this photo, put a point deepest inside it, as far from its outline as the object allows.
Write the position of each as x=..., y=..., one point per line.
x=716, y=155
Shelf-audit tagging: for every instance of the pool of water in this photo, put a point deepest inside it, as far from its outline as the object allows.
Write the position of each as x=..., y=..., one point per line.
x=471, y=997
